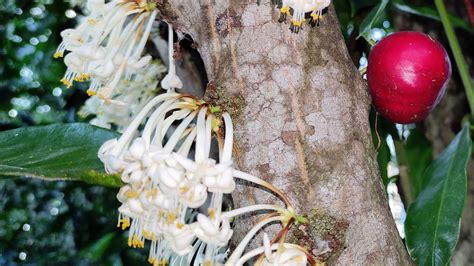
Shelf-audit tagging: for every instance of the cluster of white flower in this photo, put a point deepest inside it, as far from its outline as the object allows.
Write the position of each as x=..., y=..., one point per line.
x=107, y=46
x=141, y=88
x=177, y=202
x=163, y=185
x=298, y=9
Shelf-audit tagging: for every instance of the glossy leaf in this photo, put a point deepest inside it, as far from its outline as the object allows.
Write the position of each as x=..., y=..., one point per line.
x=56, y=152
x=433, y=220
x=97, y=250
x=430, y=12
x=372, y=17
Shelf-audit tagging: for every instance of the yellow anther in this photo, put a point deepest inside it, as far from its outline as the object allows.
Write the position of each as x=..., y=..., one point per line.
x=66, y=82
x=58, y=54
x=152, y=193
x=125, y=81
x=162, y=263
x=131, y=194
x=146, y=234
x=179, y=225
x=207, y=263
x=125, y=223
x=285, y=10
x=215, y=124
x=183, y=189
x=90, y=92
x=315, y=16
x=136, y=242
x=92, y=21
x=297, y=23
x=212, y=213
x=171, y=218
x=84, y=76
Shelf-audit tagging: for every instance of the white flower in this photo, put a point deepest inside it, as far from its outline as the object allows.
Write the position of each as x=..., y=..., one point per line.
x=213, y=232
x=284, y=255
x=192, y=194
x=144, y=85
x=218, y=178
x=115, y=32
x=180, y=236
x=171, y=80
x=132, y=208
x=112, y=163
x=137, y=149
x=299, y=10
x=169, y=178
x=223, y=182
x=96, y=6
x=156, y=198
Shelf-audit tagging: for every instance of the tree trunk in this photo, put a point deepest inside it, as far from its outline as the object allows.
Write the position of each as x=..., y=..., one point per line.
x=300, y=110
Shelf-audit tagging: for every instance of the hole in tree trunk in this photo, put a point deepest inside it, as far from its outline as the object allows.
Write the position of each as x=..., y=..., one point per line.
x=189, y=64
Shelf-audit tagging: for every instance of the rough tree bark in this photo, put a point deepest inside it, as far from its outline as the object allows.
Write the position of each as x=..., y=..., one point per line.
x=301, y=122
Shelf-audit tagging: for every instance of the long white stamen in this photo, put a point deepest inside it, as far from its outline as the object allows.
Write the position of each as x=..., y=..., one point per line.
x=229, y=139
x=163, y=127
x=207, y=146
x=243, y=244
x=173, y=140
x=261, y=182
x=125, y=138
x=188, y=142
x=156, y=117
x=201, y=135
x=141, y=45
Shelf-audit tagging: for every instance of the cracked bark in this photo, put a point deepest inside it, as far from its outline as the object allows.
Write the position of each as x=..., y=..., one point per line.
x=303, y=123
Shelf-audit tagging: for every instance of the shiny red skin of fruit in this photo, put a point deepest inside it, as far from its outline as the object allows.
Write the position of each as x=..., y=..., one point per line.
x=407, y=75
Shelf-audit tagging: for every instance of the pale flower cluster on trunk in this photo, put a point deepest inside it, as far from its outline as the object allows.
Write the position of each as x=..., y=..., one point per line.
x=173, y=189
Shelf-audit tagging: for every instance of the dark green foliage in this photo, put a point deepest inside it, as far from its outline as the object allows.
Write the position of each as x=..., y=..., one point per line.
x=86, y=214
x=56, y=152
x=433, y=220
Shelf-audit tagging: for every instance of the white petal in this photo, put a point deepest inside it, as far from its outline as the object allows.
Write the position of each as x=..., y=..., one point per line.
x=206, y=225
x=137, y=149
x=188, y=164
x=136, y=176
x=135, y=206
x=171, y=82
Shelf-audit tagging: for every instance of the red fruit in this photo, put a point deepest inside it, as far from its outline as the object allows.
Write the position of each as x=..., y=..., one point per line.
x=407, y=75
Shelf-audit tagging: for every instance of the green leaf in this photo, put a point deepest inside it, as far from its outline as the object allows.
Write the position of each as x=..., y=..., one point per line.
x=97, y=249
x=357, y=5
x=56, y=152
x=433, y=220
x=430, y=12
x=368, y=21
